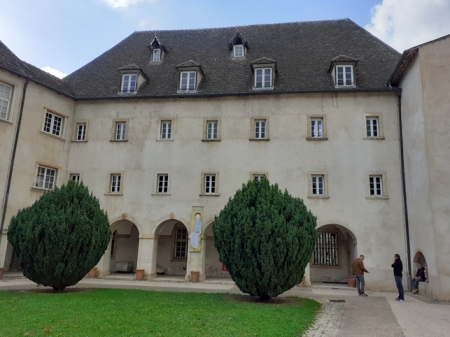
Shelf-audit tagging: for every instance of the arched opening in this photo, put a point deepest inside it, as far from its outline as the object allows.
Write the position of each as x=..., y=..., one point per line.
x=213, y=267
x=333, y=254
x=124, y=247
x=420, y=258
x=173, y=249
x=12, y=262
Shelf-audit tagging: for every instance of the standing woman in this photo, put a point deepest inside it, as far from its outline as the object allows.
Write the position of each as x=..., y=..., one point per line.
x=398, y=270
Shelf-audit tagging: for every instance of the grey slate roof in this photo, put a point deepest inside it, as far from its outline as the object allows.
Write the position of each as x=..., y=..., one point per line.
x=10, y=62
x=302, y=52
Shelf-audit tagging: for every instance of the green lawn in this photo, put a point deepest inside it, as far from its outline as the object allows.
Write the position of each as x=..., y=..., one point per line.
x=118, y=312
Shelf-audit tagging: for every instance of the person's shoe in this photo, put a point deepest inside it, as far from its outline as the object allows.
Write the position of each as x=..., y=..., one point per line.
x=364, y=295
x=415, y=291
x=397, y=300
x=401, y=301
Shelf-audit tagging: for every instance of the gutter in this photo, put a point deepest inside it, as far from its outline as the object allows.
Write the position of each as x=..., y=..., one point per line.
x=11, y=163
x=405, y=203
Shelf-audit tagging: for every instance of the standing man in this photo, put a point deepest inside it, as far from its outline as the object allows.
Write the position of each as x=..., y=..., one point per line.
x=358, y=269
x=398, y=270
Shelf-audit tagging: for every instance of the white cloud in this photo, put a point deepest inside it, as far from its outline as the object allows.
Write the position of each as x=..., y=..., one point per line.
x=124, y=3
x=54, y=72
x=407, y=23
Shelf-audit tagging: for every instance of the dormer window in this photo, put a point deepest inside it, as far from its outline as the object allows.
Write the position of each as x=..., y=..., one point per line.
x=156, y=55
x=342, y=69
x=238, y=50
x=129, y=82
x=187, y=81
x=263, y=78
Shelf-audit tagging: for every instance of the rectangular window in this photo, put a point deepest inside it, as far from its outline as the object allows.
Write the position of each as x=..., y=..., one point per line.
x=326, y=250
x=120, y=130
x=317, y=183
x=115, y=183
x=376, y=185
x=260, y=128
x=53, y=124
x=263, y=78
x=344, y=75
x=46, y=178
x=211, y=130
x=5, y=99
x=81, y=132
x=156, y=55
x=316, y=127
x=210, y=183
x=166, y=129
x=129, y=83
x=372, y=127
x=259, y=177
x=75, y=177
x=238, y=50
x=163, y=183
x=187, y=80
x=180, y=244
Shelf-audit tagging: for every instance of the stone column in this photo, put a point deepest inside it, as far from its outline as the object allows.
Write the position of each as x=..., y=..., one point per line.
x=308, y=276
x=3, y=249
x=103, y=266
x=147, y=254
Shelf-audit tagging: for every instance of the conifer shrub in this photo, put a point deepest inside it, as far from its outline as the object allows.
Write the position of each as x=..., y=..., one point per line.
x=265, y=238
x=61, y=236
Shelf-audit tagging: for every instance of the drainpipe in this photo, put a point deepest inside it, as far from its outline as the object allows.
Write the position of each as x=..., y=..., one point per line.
x=11, y=163
x=405, y=203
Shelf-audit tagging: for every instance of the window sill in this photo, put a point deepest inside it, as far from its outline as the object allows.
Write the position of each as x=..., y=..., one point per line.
x=209, y=194
x=259, y=139
x=121, y=93
x=52, y=135
x=345, y=86
x=373, y=138
x=165, y=140
x=186, y=92
x=42, y=190
x=316, y=138
x=381, y=197
x=78, y=141
x=118, y=140
x=161, y=194
x=318, y=197
x=211, y=140
x=262, y=89
x=119, y=194
x=5, y=121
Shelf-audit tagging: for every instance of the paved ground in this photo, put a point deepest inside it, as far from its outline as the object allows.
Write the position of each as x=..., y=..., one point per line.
x=343, y=312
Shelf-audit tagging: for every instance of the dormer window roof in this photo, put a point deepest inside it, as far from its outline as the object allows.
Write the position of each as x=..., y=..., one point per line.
x=264, y=70
x=157, y=49
x=342, y=69
x=190, y=76
x=238, y=45
x=132, y=79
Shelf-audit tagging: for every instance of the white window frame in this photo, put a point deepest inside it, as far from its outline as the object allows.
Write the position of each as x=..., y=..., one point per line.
x=238, y=51
x=212, y=129
x=53, y=124
x=81, y=131
x=6, y=92
x=210, y=184
x=314, y=191
x=379, y=190
x=372, y=127
x=312, y=129
x=162, y=180
x=316, y=127
x=259, y=128
x=46, y=177
x=344, y=79
x=76, y=177
x=127, y=86
x=156, y=55
x=166, y=129
x=115, y=183
x=207, y=136
x=121, y=130
x=261, y=73
x=259, y=176
x=187, y=76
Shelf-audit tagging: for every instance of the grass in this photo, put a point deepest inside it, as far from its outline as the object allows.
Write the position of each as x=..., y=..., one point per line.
x=119, y=312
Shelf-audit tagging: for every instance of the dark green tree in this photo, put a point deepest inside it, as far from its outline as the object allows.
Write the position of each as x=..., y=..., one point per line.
x=60, y=237
x=265, y=238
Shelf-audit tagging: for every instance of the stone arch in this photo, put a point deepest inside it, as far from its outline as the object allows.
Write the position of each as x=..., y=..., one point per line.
x=172, y=251
x=124, y=246
x=419, y=257
x=333, y=254
x=213, y=267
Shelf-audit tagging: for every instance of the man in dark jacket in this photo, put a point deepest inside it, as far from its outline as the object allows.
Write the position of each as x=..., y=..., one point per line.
x=420, y=277
x=398, y=273
x=358, y=270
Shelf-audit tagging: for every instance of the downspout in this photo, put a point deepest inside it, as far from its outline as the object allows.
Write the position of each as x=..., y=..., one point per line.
x=405, y=203
x=11, y=163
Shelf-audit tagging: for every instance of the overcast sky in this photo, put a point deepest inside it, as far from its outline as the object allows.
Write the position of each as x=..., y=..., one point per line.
x=61, y=36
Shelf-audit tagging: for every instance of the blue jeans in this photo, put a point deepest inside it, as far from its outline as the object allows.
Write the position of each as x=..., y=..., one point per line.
x=401, y=292
x=360, y=283
x=415, y=283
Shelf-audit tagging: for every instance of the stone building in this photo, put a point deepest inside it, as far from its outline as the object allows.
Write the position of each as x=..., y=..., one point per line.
x=165, y=126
